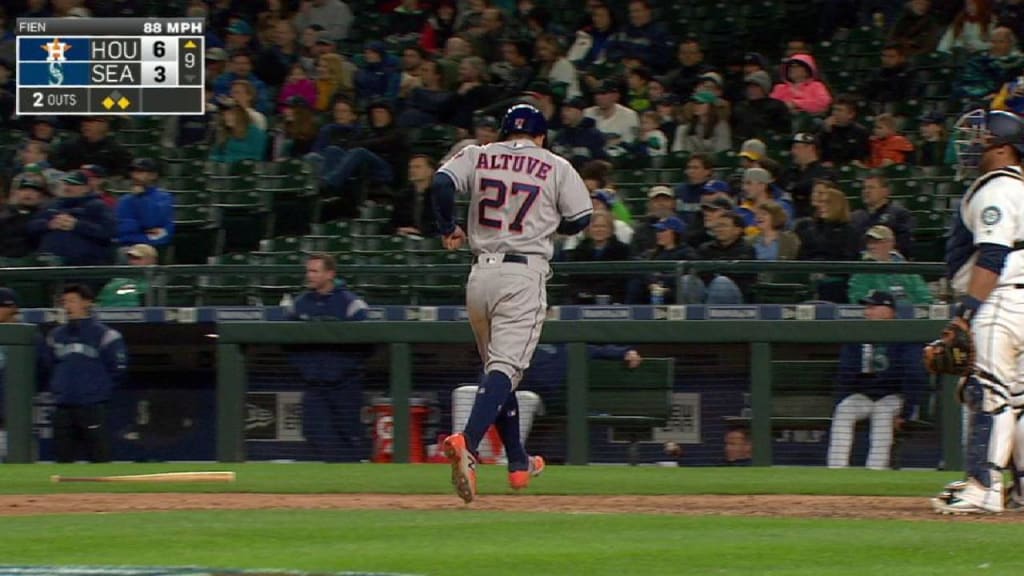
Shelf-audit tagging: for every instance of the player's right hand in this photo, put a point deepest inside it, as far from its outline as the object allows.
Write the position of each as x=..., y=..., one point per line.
x=454, y=240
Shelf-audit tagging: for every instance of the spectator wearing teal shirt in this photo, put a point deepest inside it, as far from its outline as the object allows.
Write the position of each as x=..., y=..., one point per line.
x=237, y=138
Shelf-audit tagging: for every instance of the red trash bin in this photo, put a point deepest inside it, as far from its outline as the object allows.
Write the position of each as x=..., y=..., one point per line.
x=384, y=433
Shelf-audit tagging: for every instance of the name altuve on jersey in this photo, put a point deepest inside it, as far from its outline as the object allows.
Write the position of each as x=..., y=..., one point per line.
x=516, y=163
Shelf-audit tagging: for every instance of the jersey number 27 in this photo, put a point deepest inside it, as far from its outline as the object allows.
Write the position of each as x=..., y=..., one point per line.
x=498, y=200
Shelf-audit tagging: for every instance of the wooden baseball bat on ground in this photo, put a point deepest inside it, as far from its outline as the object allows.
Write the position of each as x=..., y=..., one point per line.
x=163, y=477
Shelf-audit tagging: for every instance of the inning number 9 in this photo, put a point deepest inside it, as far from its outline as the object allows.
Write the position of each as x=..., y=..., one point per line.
x=158, y=49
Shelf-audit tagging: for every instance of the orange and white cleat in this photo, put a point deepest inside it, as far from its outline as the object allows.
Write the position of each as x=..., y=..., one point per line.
x=521, y=478
x=463, y=466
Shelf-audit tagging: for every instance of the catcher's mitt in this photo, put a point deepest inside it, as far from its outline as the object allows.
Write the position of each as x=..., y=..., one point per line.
x=953, y=352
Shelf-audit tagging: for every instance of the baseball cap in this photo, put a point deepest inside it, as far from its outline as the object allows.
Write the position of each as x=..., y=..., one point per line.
x=878, y=298
x=604, y=197
x=325, y=39
x=715, y=186
x=31, y=183
x=217, y=54
x=718, y=203
x=486, y=122
x=757, y=175
x=670, y=223
x=141, y=251
x=576, y=102
x=656, y=191
x=144, y=165
x=8, y=298
x=753, y=149
x=608, y=86
x=51, y=120
x=75, y=177
x=704, y=97
x=239, y=27
x=880, y=232
x=296, y=101
x=713, y=76
x=759, y=78
x=754, y=58
x=94, y=170
x=804, y=138
x=932, y=117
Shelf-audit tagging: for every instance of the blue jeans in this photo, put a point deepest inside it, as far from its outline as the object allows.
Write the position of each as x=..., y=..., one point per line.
x=721, y=290
x=337, y=165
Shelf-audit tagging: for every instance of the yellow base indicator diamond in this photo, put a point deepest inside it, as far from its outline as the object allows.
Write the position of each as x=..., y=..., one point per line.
x=108, y=102
x=124, y=103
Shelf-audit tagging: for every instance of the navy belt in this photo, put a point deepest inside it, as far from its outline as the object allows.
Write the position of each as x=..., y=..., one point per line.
x=513, y=258
x=1018, y=286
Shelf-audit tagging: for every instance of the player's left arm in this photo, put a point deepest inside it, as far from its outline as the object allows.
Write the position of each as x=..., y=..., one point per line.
x=994, y=217
x=574, y=203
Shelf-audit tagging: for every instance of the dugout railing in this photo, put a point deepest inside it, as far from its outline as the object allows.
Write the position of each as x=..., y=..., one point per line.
x=760, y=336
x=160, y=277
x=761, y=340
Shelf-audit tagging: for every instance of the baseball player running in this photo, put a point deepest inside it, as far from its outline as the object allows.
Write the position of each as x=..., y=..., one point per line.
x=521, y=196
x=985, y=258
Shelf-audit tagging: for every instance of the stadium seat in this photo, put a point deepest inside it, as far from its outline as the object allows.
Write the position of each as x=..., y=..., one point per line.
x=270, y=288
x=245, y=218
x=780, y=293
x=184, y=153
x=225, y=289
x=196, y=234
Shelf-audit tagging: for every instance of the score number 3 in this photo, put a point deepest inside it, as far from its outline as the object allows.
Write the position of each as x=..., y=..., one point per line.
x=499, y=200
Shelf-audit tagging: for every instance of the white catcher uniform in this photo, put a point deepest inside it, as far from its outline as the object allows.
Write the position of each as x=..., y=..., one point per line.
x=520, y=193
x=992, y=212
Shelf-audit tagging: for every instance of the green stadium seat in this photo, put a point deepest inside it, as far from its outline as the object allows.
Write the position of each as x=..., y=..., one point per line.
x=245, y=218
x=433, y=287
x=780, y=293
x=196, y=234
x=293, y=209
x=271, y=287
x=225, y=289
x=240, y=168
x=199, y=152
x=334, y=228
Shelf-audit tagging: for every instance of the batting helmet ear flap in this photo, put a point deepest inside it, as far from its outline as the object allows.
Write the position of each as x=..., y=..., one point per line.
x=524, y=119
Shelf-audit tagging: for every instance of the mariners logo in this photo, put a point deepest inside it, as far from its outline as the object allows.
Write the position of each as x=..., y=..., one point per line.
x=990, y=216
x=56, y=55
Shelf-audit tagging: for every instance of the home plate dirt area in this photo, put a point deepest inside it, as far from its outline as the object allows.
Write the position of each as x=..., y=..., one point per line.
x=871, y=507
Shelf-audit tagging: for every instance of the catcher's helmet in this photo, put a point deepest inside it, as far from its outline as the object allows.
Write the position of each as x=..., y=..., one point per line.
x=524, y=119
x=978, y=130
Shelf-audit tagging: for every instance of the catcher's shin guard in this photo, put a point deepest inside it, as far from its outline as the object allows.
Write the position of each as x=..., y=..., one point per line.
x=991, y=431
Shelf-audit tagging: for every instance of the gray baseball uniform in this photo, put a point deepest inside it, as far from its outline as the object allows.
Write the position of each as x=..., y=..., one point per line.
x=520, y=193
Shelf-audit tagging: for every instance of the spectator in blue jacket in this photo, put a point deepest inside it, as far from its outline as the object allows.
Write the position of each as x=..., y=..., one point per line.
x=78, y=228
x=643, y=38
x=333, y=374
x=146, y=216
x=240, y=68
x=380, y=74
x=884, y=383
x=579, y=140
x=430, y=103
x=84, y=360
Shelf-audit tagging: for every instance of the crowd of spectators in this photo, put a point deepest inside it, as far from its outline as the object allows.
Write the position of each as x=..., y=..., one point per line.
x=352, y=88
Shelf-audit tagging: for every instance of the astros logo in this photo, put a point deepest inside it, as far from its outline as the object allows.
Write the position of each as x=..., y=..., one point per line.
x=55, y=50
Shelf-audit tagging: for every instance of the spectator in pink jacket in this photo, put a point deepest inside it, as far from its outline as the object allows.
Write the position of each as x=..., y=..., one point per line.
x=298, y=84
x=802, y=91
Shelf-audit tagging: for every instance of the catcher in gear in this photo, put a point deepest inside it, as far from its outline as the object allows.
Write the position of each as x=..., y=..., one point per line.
x=985, y=259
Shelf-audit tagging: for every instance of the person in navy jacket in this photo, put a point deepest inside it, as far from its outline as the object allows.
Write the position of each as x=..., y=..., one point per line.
x=78, y=227
x=146, y=216
x=84, y=359
x=884, y=383
x=333, y=398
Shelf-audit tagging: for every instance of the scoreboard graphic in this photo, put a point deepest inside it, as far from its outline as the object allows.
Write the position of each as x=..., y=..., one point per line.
x=115, y=66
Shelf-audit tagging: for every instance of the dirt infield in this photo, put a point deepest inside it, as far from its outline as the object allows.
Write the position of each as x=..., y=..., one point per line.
x=761, y=506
